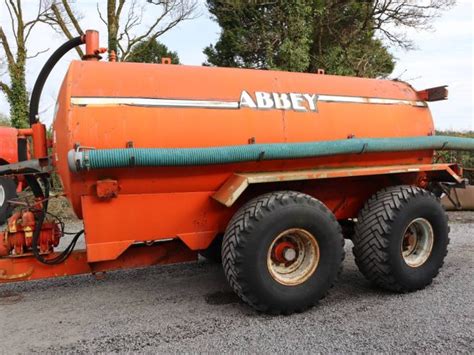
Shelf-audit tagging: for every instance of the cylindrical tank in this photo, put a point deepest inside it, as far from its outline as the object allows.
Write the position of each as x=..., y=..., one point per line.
x=117, y=105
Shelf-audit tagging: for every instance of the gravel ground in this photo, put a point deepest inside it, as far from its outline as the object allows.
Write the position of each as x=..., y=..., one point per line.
x=190, y=308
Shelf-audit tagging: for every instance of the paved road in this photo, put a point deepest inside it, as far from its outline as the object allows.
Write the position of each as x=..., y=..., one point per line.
x=190, y=308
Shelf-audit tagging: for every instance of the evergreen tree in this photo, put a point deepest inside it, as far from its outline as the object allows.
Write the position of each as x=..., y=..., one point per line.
x=151, y=51
x=339, y=36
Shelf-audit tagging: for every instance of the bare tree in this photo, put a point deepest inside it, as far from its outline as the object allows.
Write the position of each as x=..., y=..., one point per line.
x=391, y=17
x=16, y=54
x=371, y=26
x=123, y=18
x=64, y=19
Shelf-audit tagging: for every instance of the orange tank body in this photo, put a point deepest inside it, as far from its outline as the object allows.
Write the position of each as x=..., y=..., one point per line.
x=114, y=105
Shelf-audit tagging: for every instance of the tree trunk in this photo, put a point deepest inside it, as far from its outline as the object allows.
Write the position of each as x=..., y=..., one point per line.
x=113, y=25
x=18, y=97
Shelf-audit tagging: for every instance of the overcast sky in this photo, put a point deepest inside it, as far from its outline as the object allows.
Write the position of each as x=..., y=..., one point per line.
x=444, y=56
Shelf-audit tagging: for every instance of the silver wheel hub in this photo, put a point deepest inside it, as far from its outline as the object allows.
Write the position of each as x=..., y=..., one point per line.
x=293, y=257
x=417, y=242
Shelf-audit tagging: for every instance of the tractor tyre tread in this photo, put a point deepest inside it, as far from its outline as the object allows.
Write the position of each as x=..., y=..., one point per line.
x=372, y=233
x=235, y=239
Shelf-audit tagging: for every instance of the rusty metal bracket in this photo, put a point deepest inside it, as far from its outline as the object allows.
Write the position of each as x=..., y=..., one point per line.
x=4, y=276
x=434, y=94
x=107, y=189
x=235, y=186
x=447, y=191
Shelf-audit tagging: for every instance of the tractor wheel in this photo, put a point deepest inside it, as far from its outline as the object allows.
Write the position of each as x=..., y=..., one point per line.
x=213, y=252
x=282, y=252
x=401, y=238
x=7, y=192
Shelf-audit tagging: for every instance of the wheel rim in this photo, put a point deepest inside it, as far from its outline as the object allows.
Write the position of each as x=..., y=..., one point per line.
x=417, y=242
x=293, y=257
x=2, y=195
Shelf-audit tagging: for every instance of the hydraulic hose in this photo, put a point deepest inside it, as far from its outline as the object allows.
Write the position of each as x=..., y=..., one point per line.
x=162, y=157
x=32, y=180
x=43, y=75
x=40, y=217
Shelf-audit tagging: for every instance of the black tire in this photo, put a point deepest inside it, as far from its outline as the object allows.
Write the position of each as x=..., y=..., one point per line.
x=382, y=229
x=253, y=232
x=7, y=192
x=214, y=251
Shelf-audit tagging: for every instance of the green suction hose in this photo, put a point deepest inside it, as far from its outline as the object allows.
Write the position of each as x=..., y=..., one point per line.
x=162, y=157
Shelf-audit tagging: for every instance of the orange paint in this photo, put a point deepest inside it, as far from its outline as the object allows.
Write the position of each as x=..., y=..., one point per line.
x=91, y=39
x=159, y=203
x=40, y=144
x=14, y=269
x=8, y=145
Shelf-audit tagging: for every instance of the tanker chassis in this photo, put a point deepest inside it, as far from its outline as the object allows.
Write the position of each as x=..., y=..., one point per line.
x=267, y=172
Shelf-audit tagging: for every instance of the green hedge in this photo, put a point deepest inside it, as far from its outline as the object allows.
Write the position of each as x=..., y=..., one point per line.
x=466, y=159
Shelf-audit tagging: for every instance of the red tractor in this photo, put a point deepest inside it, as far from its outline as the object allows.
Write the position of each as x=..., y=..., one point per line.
x=9, y=153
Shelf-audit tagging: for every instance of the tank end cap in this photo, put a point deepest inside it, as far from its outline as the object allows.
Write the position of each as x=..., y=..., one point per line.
x=74, y=159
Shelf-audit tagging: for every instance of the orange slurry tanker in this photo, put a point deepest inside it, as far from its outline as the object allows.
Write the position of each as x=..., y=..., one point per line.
x=265, y=171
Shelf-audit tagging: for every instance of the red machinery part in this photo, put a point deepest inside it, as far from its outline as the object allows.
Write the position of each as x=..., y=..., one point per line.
x=91, y=39
x=17, y=239
x=8, y=145
x=40, y=145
